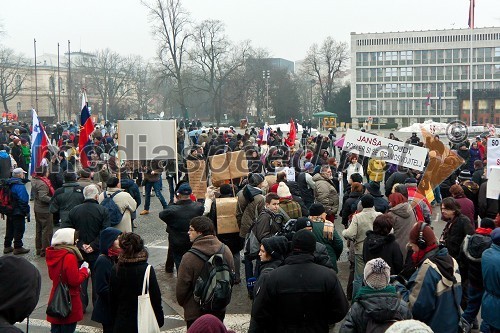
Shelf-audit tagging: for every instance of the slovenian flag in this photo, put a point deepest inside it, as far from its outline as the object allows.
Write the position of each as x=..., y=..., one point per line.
x=471, y=13
x=86, y=129
x=39, y=143
x=292, y=131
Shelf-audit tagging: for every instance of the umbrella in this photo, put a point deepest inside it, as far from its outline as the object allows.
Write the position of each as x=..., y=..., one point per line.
x=323, y=114
x=195, y=132
x=339, y=142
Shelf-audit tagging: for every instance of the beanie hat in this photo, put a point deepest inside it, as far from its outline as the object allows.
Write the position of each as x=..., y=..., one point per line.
x=63, y=236
x=184, y=189
x=367, y=201
x=427, y=234
x=255, y=179
x=409, y=326
x=373, y=188
x=411, y=182
x=308, y=166
x=309, y=155
x=316, y=209
x=208, y=324
x=487, y=223
x=377, y=273
x=304, y=241
x=464, y=175
x=276, y=246
x=283, y=191
x=495, y=236
x=302, y=223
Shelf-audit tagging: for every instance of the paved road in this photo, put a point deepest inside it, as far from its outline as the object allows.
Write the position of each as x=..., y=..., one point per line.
x=152, y=229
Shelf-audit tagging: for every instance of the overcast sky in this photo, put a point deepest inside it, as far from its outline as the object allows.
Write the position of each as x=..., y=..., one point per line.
x=286, y=28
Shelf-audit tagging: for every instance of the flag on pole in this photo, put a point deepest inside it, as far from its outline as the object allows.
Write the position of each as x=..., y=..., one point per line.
x=86, y=129
x=39, y=143
x=472, y=4
x=292, y=131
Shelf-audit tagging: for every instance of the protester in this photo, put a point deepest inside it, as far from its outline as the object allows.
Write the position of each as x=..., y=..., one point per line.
x=123, y=200
x=62, y=262
x=19, y=291
x=66, y=197
x=15, y=225
x=404, y=219
x=301, y=295
x=110, y=250
x=326, y=193
x=126, y=283
x=490, y=269
x=208, y=324
x=457, y=226
x=377, y=305
x=202, y=236
x=43, y=192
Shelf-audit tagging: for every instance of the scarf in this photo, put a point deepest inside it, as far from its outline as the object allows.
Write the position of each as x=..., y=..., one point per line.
x=112, y=252
x=365, y=290
x=138, y=257
x=484, y=231
x=419, y=255
x=71, y=249
x=47, y=182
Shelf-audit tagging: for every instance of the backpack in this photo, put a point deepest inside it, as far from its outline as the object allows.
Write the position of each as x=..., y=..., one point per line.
x=214, y=286
x=374, y=326
x=6, y=202
x=115, y=215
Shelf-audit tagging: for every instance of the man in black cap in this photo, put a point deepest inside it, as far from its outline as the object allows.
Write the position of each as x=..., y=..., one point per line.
x=300, y=296
x=177, y=218
x=381, y=204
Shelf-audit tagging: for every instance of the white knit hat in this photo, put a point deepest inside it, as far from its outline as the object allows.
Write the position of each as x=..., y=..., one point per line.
x=283, y=191
x=409, y=326
x=377, y=273
x=63, y=236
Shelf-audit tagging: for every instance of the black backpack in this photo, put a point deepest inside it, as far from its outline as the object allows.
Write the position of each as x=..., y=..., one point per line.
x=6, y=202
x=115, y=215
x=214, y=286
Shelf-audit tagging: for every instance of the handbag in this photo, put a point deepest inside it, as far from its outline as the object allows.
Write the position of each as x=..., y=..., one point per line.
x=146, y=318
x=60, y=305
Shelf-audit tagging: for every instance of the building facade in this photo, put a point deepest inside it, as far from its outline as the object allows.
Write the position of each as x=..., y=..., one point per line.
x=409, y=77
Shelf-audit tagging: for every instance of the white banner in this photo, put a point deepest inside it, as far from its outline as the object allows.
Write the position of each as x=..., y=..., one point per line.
x=493, y=185
x=391, y=151
x=290, y=173
x=492, y=154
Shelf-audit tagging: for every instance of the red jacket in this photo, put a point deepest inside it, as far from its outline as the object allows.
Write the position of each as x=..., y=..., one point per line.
x=72, y=276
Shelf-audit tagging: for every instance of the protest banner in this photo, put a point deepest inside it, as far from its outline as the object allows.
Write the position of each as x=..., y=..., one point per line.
x=391, y=151
x=197, y=178
x=227, y=166
x=226, y=218
x=492, y=154
x=493, y=185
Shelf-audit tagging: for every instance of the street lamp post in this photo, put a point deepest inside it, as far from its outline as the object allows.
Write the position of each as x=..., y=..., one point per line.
x=265, y=75
x=313, y=82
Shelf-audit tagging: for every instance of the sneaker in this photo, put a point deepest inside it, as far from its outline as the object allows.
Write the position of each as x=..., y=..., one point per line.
x=21, y=250
x=144, y=212
x=8, y=249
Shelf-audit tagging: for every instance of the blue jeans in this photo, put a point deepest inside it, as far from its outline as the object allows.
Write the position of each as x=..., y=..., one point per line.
x=66, y=328
x=157, y=188
x=437, y=195
x=359, y=267
x=473, y=304
x=171, y=187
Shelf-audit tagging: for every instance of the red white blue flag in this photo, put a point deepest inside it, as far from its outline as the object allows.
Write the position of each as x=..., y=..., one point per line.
x=86, y=128
x=39, y=143
x=472, y=4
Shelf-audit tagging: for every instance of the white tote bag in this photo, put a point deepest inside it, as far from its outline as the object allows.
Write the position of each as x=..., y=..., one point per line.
x=146, y=319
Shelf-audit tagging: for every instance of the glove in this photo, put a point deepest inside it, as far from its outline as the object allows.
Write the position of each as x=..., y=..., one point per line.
x=85, y=265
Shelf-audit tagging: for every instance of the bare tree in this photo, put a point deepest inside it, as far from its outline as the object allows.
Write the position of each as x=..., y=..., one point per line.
x=170, y=26
x=143, y=87
x=13, y=72
x=325, y=64
x=108, y=75
x=217, y=59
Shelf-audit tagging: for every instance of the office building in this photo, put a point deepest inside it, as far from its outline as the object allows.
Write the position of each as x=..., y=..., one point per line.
x=413, y=76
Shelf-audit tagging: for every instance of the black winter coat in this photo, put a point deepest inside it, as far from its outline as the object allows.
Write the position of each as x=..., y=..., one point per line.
x=347, y=209
x=65, y=199
x=454, y=234
x=177, y=218
x=125, y=285
x=470, y=258
x=89, y=219
x=379, y=307
x=300, y=296
x=385, y=247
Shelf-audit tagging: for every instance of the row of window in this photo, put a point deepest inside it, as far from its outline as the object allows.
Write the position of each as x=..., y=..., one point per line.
x=434, y=90
x=427, y=39
x=427, y=73
x=404, y=108
x=52, y=83
x=481, y=54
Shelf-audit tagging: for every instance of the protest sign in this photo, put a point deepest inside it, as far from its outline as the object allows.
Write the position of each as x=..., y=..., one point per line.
x=228, y=166
x=493, y=185
x=197, y=178
x=226, y=218
x=391, y=151
x=492, y=154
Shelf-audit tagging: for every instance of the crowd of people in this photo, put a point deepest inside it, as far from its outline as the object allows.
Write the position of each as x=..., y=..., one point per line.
x=301, y=203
